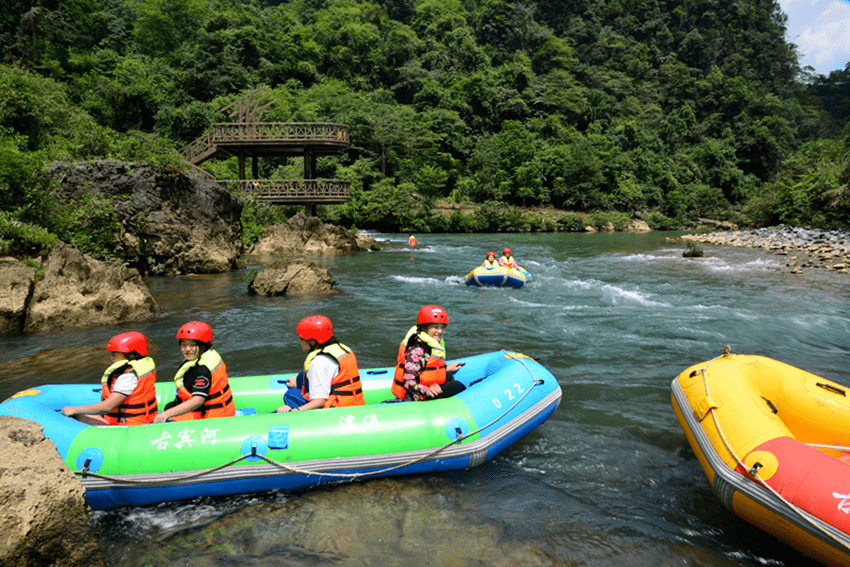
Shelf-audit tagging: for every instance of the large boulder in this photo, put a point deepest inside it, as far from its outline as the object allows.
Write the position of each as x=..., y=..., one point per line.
x=293, y=278
x=173, y=222
x=16, y=286
x=309, y=236
x=44, y=519
x=78, y=291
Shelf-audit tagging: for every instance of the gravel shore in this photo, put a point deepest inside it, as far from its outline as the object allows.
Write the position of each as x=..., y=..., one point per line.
x=805, y=247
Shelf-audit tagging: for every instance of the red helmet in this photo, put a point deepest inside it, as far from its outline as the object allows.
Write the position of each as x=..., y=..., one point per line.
x=432, y=314
x=128, y=342
x=317, y=327
x=493, y=254
x=197, y=331
x=506, y=251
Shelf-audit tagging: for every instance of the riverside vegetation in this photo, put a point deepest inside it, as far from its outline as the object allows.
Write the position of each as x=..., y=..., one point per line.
x=676, y=109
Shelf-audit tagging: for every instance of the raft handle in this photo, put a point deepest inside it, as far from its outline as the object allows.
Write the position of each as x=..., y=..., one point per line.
x=373, y=372
x=86, y=467
x=755, y=470
x=772, y=407
x=832, y=389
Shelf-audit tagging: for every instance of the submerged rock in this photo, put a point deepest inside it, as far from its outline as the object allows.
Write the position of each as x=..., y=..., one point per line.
x=298, y=277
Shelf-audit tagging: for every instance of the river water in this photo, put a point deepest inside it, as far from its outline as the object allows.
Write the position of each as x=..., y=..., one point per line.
x=609, y=480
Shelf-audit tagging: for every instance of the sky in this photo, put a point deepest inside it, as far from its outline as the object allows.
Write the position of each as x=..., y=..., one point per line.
x=821, y=31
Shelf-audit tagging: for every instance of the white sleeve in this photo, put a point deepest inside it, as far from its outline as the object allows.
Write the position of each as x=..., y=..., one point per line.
x=126, y=383
x=322, y=371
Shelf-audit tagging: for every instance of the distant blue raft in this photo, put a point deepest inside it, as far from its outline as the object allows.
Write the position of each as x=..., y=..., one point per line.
x=499, y=276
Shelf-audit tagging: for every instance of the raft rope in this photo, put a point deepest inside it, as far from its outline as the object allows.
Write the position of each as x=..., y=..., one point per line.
x=754, y=471
x=534, y=383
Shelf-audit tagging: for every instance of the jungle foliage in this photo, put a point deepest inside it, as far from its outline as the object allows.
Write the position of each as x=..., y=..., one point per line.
x=675, y=108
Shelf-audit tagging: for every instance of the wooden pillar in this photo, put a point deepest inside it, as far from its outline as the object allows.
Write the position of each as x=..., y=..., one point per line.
x=255, y=168
x=310, y=209
x=241, y=164
x=309, y=163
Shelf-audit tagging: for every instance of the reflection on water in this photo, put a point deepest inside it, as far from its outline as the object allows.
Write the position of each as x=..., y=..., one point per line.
x=608, y=480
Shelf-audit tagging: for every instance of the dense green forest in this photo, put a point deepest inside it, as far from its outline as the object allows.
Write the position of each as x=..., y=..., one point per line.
x=676, y=109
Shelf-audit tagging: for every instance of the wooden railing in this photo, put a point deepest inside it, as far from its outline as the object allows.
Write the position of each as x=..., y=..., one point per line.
x=284, y=133
x=295, y=191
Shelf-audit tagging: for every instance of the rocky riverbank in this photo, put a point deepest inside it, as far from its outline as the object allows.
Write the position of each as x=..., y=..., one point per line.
x=804, y=247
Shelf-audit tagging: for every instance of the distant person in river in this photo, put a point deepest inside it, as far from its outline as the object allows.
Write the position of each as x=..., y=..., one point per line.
x=490, y=261
x=421, y=372
x=203, y=390
x=331, y=378
x=507, y=259
x=128, y=391
x=411, y=240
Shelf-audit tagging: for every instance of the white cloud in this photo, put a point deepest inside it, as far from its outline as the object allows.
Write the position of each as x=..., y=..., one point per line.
x=821, y=31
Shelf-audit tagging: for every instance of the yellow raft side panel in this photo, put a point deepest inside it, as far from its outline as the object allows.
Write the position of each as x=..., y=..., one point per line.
x=766, y=519
x=744, y=390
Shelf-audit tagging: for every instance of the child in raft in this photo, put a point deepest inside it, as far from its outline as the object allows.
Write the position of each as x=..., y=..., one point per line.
x=203, y=390
x=128, y=391
x=490, y=261
x=330, y=378
x=421, y=372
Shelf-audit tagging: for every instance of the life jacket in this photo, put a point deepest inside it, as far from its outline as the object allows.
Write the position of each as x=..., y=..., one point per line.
x=139, y=407
x=507, y=261
x=219, y=402
x=346, y=389
x=435, y=368
x=412, y=241
x=489, y=264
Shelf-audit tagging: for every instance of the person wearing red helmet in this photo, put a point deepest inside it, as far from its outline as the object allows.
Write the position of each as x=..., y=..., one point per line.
x=490, y=260
x=421, y=372
x=330, y=378
x=203, y=390
x=128, y=386
x=507, y=259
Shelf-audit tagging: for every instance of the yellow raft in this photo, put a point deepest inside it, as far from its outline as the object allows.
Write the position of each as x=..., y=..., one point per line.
x=774, y=442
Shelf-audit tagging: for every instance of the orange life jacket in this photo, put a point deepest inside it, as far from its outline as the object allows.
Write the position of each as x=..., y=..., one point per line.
x=435, y=368
x=139, y=407
x=346, y=388
x=219, y=402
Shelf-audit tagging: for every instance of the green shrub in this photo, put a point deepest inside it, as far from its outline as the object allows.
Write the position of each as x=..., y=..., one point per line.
x=88, y=222
x=693, y=250
x=23, y=240
x=599, y=220
x=257, y=215
x=660, y=221
x=572, y=222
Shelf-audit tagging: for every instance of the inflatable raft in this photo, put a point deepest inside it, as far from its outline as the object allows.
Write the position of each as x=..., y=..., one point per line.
x=498, y=276
x=774, y=442
x=507, y=396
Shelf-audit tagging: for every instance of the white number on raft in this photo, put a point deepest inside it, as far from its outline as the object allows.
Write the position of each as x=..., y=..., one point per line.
x=510, y=394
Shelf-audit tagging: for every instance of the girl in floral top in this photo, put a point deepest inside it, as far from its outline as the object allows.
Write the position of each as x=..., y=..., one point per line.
x=421, y=372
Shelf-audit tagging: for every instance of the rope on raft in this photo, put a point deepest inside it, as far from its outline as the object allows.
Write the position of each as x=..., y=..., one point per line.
x=754, y=471
x=534, y=382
